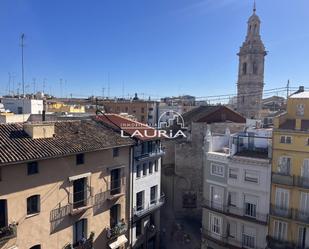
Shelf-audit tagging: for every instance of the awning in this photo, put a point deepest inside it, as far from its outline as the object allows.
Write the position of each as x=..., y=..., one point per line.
x=121, y=240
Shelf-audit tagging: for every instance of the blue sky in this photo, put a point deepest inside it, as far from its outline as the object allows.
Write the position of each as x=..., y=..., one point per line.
x=160, y=48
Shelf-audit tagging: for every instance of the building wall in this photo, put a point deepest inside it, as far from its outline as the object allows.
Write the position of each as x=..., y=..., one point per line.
x=144, y=183
x=29, y=106
x=53, y=226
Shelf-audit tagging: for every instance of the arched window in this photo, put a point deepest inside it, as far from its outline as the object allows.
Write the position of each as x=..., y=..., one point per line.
x=244, y=68
x=255, y=68
x=255, y=29
x=36, y=247
x=33, y=204
x=242, y=99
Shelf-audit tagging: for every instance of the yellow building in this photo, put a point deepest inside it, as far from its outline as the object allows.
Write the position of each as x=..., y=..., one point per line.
x=60, y=107
x=289, y=213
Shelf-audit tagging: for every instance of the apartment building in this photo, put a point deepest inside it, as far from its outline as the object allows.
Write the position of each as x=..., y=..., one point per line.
x=23, y=105
x=145, y=181
x=63, y=185
x=236, y=189
x=289, y=219
x=144, y=111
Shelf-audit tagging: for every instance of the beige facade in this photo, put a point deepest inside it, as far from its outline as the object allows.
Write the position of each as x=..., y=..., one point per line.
x=63, y=215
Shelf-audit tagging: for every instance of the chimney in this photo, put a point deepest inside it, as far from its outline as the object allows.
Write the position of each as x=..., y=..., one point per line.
x=40, y=130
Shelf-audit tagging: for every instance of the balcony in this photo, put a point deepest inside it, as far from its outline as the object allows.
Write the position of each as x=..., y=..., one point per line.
x=119, y=229
x=80, y=201
x=301, y=215
x=284, y=179
x=141, y=211
x=301, y=181
x=228, y=241
x=236, y=212
x=116, y=188
x=157, y=152
x=83, y=244
x=274, y=243
x=281, y=211
x=8, y=232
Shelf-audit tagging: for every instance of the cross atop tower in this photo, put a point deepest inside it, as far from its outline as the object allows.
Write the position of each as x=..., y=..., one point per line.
x=254, y=7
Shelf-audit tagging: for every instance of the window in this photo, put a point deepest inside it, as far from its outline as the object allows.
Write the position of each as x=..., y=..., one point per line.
x=233, y=173
x=305, y=169
x=33, y=204
x=284, y=165
x=32, y=168
x=217, y=170
x=144, y=169
x=79, y=231
x=255, y=68
x=248, y=237
x=282, y=199
x=285, y=139
x=248, y=241
x=215, y=224
x=140, y=200
x=251, y=176
x=156, y=166
x=116, y=181
x=79, y=192
x=232, y=199
x=300, y=110
x=307, y=142
x=150, y=167
x=80, y=159
x=0, y=174
x=250, y=206
x=216, y=195
x=114, y=215
x=142, y=110
x=303, y=237
x=244, y=68
x=304, y=204
x=153, y=194
x=115, y=152
x=138, y=228
x=280, y=230
x=138, y=171
x=232, y=229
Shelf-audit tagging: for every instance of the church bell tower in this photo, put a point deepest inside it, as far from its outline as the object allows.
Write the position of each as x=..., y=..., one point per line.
x=251, y=70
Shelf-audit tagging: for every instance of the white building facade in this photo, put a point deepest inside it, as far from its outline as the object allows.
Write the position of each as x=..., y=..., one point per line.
x=236, y=190
x=23, y=106
x=146, y=196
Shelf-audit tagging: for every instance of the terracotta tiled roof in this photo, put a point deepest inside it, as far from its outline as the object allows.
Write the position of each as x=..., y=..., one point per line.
x=71, y=137
x=129, y=126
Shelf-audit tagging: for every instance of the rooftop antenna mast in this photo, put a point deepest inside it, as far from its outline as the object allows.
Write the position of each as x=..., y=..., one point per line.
x=22, y=63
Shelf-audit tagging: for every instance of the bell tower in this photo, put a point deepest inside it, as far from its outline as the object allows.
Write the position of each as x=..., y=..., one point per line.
x=251, y=70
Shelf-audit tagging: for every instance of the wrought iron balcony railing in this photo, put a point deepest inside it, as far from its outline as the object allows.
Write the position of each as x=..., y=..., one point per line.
x=140, y=211
x=284, y=179
x=237, y=211
x=275, y=243
x=8, y=232
x=281, y=211
x=119, y=229
x=154, y=153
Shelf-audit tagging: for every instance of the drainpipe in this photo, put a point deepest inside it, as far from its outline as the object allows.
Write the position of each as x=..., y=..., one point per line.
x=131, y=168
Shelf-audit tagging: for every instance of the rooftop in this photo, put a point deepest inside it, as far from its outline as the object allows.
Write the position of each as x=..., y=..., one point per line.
x=71, y=137
x=301, y=95
x=129, y=126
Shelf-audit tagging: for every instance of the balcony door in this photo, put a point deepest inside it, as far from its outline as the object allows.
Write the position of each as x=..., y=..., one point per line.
x=305, y=169
x=114, y=213
x=216, y=195
x=282, y=199
x=3, y=213
x=303, y=237
x=80, y=231
x=79, y=192
x=115, y=181
x=304, y=204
